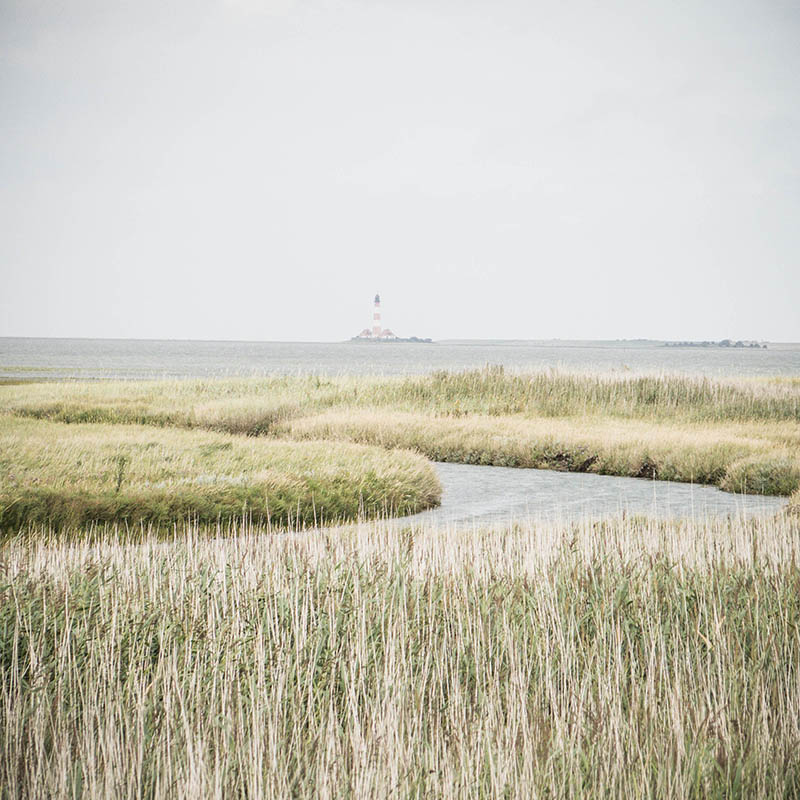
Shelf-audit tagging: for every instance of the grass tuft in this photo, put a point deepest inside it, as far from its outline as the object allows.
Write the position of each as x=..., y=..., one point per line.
x=760, y=475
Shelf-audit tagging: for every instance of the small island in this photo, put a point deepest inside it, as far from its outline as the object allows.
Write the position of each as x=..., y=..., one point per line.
x=751, y=344
x=389, y=339
x=377, y=333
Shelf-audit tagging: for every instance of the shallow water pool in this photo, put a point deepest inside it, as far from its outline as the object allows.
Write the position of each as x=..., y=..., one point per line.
x=478, y=494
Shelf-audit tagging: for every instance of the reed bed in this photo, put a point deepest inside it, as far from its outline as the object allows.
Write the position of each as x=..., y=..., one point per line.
x=629, y=658
x=61, y=475
x=495, y=392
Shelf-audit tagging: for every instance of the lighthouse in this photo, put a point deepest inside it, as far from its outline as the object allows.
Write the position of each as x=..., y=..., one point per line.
x=377, y=333
x=376, y=318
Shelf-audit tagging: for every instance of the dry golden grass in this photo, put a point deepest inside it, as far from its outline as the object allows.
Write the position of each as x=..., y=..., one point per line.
x=621, y=659
x=758, y=457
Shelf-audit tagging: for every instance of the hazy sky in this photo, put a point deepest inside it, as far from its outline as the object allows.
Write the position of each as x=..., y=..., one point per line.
x=258, y=169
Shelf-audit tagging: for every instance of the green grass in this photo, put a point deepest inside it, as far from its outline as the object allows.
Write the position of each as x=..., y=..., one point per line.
x=59, y=475
x=619, y=659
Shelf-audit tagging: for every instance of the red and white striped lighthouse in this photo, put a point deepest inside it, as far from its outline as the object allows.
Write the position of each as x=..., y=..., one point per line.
x=376, y=317
x=377, y=332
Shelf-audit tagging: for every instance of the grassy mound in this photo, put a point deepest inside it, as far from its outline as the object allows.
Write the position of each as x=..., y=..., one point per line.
x=240, y=405
x=744, y=457
x=58, y=475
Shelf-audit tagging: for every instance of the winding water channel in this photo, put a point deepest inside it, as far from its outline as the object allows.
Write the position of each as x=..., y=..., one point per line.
x=483, y=495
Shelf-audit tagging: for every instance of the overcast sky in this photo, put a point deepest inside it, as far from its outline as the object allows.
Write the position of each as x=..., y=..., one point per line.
x=258, y=169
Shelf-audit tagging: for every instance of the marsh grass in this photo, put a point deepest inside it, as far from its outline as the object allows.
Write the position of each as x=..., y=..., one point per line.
x=751, y=457
x=628, y=658
x=495, y=392
x=240, y=406
x=62, y=475
x=253, y=405
x=742, y=436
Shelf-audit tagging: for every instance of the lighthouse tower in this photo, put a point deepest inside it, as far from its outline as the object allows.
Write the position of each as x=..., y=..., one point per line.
x=376, y=318
x=376, y=333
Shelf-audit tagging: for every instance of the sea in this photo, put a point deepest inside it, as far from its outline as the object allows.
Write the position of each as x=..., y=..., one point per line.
x=131, y=359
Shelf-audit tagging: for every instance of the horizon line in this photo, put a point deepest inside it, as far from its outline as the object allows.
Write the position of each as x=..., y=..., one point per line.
x=349, y=341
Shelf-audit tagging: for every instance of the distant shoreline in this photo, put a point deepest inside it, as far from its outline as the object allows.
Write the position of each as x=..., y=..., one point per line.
x=553, y=342
x=741, y=344
x=412, y=340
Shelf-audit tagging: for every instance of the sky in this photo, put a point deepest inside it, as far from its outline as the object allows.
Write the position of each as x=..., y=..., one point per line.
x=496, y=169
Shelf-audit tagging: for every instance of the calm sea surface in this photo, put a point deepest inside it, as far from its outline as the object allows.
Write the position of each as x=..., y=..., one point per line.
x=120, y=358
